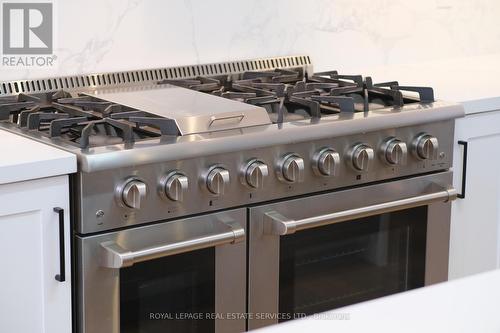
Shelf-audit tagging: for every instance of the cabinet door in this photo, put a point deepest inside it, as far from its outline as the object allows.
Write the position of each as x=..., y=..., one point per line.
x=474, y=244
x=31, y=299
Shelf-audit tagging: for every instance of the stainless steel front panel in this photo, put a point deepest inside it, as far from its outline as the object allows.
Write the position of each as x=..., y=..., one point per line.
x=314, y=211
x=101, y=256
x=97, y=208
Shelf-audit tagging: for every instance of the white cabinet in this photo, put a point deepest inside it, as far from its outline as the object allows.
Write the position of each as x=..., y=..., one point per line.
x=31, y=299
x=475, y=223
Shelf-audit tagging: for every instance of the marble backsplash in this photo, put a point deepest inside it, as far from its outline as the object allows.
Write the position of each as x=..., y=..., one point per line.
x=349, y=35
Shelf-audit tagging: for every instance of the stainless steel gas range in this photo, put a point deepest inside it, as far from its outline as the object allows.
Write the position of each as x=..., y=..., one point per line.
x=226, y=197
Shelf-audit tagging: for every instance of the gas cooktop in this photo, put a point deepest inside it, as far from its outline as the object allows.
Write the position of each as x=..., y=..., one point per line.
x=104, y=116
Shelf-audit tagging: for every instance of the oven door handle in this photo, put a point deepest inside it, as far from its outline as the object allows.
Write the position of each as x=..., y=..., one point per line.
x=115, y=256
x=277, y=224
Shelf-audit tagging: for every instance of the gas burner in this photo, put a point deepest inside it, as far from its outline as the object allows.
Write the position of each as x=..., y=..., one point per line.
x=291, y=95
x=85, y=121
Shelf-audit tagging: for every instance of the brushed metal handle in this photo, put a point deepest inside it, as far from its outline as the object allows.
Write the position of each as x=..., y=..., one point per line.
x=116, y=256
x=277, y=224
x=236, y=117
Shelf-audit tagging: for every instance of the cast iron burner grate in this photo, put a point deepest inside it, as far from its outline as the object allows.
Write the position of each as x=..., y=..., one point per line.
x=290, y=95
x=84, y=121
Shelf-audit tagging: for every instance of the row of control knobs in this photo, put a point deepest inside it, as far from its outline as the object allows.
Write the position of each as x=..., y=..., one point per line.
x=289, y=169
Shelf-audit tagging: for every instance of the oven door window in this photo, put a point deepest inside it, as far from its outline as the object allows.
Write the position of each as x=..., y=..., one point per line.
x=344, y=263
x=170, y=294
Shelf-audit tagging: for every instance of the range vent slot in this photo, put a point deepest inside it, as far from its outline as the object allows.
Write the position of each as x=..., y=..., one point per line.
x=137, y=77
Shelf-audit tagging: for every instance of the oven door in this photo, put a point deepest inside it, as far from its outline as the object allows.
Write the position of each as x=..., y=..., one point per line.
x=178, y=276
x=322, y=252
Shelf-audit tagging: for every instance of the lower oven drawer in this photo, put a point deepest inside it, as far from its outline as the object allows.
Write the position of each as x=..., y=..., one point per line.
x=177, y=276
x=321, y=252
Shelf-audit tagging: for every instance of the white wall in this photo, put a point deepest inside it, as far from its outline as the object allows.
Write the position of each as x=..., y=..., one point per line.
x=110, y=35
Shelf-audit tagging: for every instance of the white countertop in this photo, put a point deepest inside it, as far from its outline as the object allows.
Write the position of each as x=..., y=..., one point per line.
x=24, y=159
x=472, y=81
x=464, y=305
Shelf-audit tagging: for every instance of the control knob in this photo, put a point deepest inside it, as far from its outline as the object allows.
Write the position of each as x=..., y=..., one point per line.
x=291, y=169
x=254, y=174
x=217, y=179
x=394, y=151
x=361, y=156
x=325, y=162
x=425, y=147
x=133, y=192
x=174, y=185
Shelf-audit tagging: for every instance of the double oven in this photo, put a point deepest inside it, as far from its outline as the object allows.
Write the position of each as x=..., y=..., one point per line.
x=250, y=267
x=230, y=267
